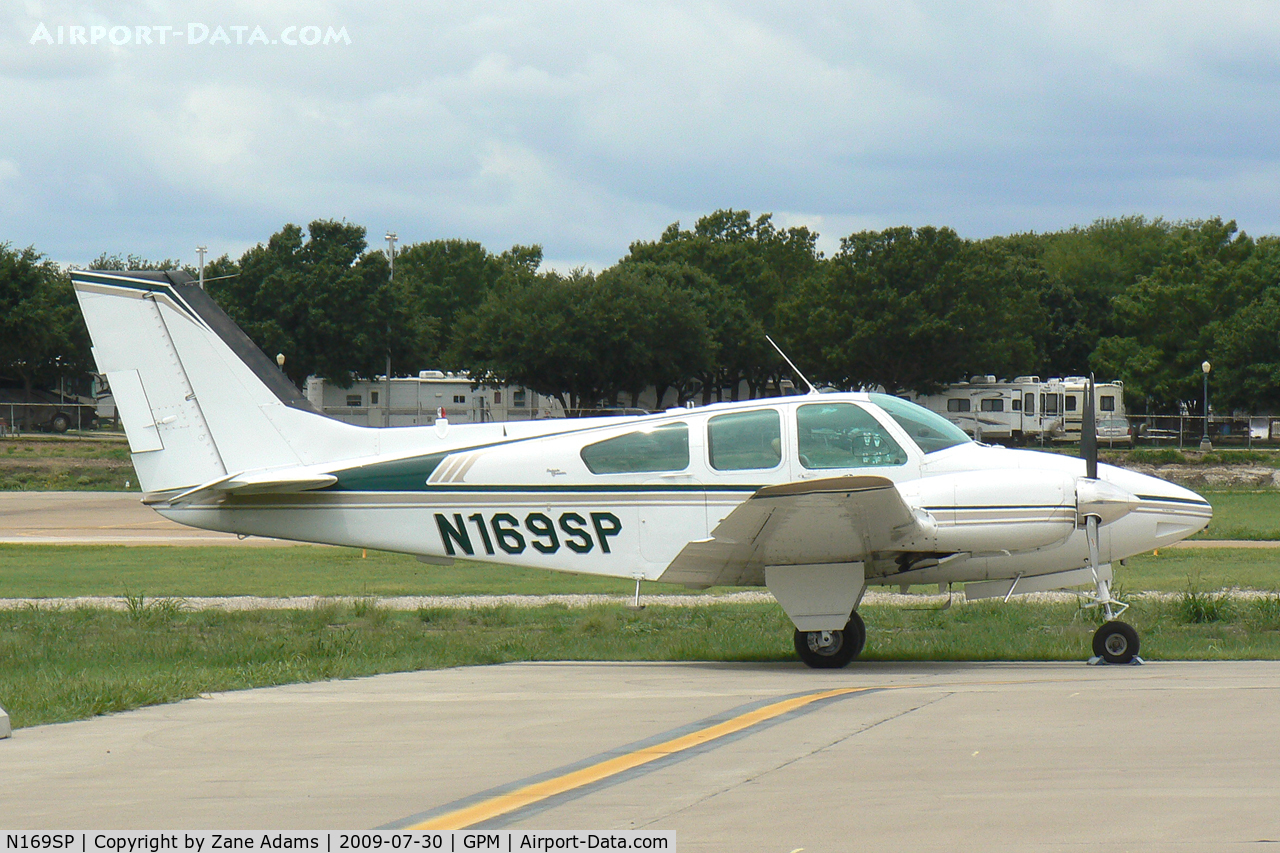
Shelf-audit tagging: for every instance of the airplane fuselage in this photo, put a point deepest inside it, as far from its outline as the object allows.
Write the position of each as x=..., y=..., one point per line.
x=534, y=500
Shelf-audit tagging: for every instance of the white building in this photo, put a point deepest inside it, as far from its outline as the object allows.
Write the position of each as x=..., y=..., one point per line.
x=417, y=400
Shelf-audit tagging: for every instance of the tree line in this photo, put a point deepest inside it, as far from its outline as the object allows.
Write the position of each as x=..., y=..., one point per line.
x=905, y=309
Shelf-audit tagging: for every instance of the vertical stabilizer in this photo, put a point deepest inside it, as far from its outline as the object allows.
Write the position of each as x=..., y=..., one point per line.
x=198, y=400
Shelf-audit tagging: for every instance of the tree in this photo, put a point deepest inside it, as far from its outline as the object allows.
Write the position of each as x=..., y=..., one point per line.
x=1170, y=320
x=912, y=309
x=438, y=281
x=748, y=266
x=581, y=338
x=322, y=301
x=43, y=338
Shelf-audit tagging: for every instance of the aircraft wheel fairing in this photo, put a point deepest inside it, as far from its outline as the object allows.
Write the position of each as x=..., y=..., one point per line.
x=1116, y=642
x=832, y=649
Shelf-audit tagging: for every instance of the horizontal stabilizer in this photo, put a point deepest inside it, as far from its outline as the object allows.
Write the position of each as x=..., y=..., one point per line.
x=257, y=483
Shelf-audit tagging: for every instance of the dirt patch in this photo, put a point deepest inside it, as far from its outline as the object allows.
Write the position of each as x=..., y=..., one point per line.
x=1213, y=476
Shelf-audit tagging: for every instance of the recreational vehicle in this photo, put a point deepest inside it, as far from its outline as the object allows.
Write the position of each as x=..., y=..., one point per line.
x=1024, y=409
x=419, y=400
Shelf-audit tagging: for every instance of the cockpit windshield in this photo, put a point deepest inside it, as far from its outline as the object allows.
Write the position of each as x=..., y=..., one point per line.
x=931, y=431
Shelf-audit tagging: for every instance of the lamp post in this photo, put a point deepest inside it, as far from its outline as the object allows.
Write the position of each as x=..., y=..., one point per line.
x=200, y=250
x=1205, y=444
x=391, y=277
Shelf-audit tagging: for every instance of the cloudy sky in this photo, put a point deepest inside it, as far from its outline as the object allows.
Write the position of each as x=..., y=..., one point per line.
x=583, y=126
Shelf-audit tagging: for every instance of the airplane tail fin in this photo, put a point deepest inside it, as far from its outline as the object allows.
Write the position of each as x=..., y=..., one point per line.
x=200, y=403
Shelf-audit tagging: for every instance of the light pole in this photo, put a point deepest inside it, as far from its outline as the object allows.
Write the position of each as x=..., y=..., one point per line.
x=1205, y=444
x=391, y=277
x=200, y=250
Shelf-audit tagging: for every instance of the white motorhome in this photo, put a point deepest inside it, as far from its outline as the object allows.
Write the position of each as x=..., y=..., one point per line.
x=418, y=400
x=1024, y=409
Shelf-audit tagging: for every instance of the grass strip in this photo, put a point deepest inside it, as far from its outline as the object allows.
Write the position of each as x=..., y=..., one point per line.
x=68, y=571
x=67, y=664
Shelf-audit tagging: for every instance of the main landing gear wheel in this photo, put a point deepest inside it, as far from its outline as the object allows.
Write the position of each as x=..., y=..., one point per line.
x=832, y=649
x=1116, y=642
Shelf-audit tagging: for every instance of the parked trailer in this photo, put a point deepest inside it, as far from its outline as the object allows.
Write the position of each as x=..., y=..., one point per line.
x=417, y=400
x=1024, y=409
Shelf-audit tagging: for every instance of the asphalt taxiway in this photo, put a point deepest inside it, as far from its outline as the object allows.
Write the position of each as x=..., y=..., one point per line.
x=97, y=518
x=922, y=756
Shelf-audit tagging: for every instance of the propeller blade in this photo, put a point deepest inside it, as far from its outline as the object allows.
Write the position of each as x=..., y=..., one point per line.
x=1089, y=433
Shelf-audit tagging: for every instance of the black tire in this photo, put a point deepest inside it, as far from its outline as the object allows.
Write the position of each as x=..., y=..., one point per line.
x=1116, y=642
x=845, y=645
x=60, y=423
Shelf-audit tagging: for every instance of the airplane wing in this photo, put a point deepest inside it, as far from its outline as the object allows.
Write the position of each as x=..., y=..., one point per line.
x=832, y=520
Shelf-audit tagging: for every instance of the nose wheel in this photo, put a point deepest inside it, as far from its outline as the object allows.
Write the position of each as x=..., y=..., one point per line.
x=832, y=649
x=1115, y=641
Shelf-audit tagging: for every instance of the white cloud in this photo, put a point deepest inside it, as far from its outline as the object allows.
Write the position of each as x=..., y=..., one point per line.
x=586, y=126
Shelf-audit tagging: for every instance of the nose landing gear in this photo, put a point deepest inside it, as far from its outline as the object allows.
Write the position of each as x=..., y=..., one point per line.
x=1115, y=641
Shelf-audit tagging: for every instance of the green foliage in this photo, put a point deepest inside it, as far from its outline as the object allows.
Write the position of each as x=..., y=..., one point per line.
x=583, y=338
x=322, y=301
x=739, y=272
x=42, y=335
x=436, y=283
x=1264, y=613
x=914, y=308
x=1136, y=299
x=1158, y=456
x=1195, y=606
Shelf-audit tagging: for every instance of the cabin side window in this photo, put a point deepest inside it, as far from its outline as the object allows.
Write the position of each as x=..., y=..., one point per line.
x=957, y=405
x=1107, y=403
x=1071, y=402
x=354, y=400
x=1029, y=404
x=663, y=448
x=842, y=435
x=996, y=405
x=742, y=441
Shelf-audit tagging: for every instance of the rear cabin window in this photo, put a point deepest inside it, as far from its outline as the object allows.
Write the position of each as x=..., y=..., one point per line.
x=842, y=435
x=957, y=405
x=1029, y=404
x=663, y=448
x=1107, y=403
x=745, y=440
x=992, y=405
x=1071, y=402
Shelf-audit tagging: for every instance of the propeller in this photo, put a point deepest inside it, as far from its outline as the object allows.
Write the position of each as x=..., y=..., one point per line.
x=1089, y=433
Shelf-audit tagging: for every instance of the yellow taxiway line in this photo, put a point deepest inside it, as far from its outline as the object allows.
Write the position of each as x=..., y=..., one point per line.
x=537, y=791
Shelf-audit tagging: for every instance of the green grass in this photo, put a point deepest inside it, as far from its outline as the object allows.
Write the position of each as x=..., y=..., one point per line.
x=47, y=463
x=1212, y=568
x=1243, y=515
x=58, y=665
x=57, y=571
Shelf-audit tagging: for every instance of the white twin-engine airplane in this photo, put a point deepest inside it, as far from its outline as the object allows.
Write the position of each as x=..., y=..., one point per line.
x=813, y=496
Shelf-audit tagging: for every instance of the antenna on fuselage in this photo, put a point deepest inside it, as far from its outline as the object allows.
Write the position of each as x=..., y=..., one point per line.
x=791, y=364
